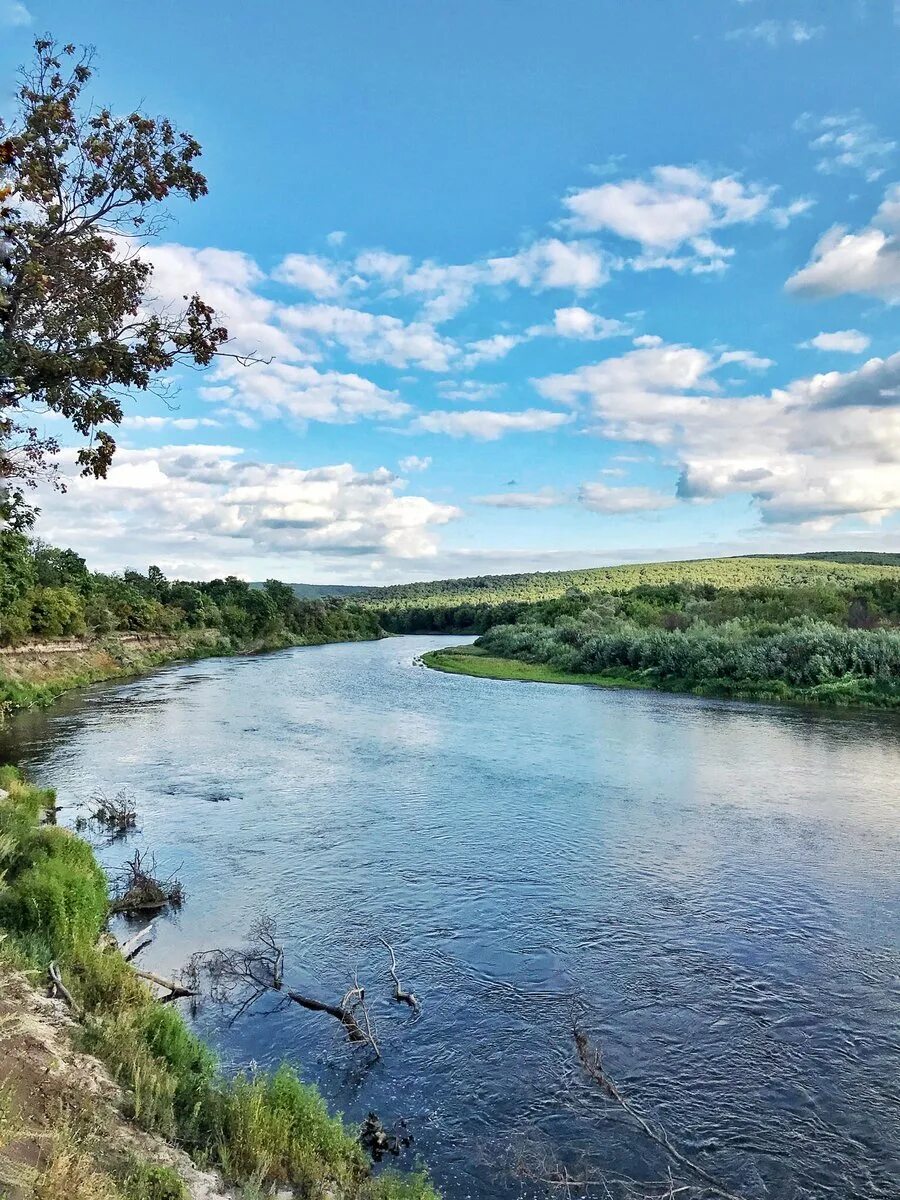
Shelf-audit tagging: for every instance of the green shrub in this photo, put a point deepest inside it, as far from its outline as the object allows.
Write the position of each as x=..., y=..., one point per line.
x=58, y=902
x=149, y=1182
x=277, y=1129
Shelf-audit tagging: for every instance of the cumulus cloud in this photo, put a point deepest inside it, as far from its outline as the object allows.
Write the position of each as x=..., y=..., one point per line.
x=228, y=280
x=413, y=462
x=745, y=358
x=310, y=273
x=865, y=263
x=487, y=425
x=160, y=499
x=370, y=337
x=491, y=349
x=578, y=323
x=847, y=142
x=545, y=498
x=600, y=497
x=673, y=213
x=823, y=448
x=847, y=341
x=553, y=264
x=300, y=392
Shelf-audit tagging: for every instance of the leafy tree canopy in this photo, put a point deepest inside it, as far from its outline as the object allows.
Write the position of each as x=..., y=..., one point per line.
x=81, y=189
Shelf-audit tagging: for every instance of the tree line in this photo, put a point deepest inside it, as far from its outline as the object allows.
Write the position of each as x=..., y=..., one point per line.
x=48, y=592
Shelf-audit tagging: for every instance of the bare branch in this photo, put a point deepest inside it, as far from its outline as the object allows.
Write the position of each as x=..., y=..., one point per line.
x=400, y=995
x=592, y=1062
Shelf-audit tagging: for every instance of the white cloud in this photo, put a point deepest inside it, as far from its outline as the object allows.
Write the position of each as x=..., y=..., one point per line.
x=14, y=14
x=368, y=337
x=578, y=323
x=865, y=263
x=821, y=449
x=443, y=290
x=545, y=498
x=599, y=497
x=337, y=237
x=672, y=214
x=643, y=383
x=490, y=349
x=847, y=142
x=778, y=33
x=745, y=358
x=310, y=273
x=470, y=391
x=138, y=422
x=155, y=501
x=487, y=425
x=300, y=392
x=553, y=264
x=227, y=280
x=413, y=462
x=847, y=341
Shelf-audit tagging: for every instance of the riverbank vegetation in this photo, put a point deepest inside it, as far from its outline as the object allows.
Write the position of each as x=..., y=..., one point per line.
x=261, y=1131
x=812, y=630
x=64, y=626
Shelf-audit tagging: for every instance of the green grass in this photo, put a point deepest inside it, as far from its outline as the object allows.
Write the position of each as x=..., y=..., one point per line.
x=848, y=692
x=471, y=660
x=262, y=1132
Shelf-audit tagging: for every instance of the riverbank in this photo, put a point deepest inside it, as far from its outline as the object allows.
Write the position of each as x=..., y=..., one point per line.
x=472, y=660
x=82, y=1131
x=37, y=674
x=478, y=662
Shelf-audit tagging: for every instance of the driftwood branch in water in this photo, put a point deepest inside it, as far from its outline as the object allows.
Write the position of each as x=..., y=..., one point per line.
x=592, y=1062
x=399, y=995
x=175, y=990
x=239, y=977
x=132, y=947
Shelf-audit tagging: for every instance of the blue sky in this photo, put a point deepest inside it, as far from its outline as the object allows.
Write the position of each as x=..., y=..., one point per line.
x=542, y=285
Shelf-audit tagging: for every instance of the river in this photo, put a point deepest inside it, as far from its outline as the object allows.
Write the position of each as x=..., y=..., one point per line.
x=713, y=887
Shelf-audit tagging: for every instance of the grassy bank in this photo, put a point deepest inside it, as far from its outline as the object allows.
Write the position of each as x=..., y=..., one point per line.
x=478, y=661
x=472, y=660
x=261, y=1131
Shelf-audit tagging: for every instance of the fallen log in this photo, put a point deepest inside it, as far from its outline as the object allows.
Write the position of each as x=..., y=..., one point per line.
x=130, y=948
x=176, y=990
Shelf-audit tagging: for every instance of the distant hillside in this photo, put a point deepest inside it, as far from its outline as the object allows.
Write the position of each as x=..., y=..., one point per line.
x=322, y=591
x=841, y=569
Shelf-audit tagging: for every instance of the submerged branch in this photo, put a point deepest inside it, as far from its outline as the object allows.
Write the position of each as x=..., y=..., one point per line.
x=592, y=1062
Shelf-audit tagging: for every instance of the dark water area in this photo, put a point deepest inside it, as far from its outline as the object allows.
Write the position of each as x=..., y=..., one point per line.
x=714, y=887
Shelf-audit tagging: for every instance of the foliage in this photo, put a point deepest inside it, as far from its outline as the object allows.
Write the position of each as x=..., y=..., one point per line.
x=46, y=592
x=478, y=602
x=815, y=628
x=148, y=1181
x=79, y=187
x=800, y=658
x=263, y=1131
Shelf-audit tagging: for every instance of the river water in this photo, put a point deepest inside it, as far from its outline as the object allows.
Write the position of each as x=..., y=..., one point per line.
x=714, y=889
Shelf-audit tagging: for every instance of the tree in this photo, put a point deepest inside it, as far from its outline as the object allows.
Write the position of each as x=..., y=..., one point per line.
x=80, y=190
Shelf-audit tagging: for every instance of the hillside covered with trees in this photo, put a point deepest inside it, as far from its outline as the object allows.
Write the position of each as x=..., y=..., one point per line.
x=825, y=630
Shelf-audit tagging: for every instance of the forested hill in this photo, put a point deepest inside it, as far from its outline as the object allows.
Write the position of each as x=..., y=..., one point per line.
x=323, y=591
x=841, y=570
x=809, y=628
